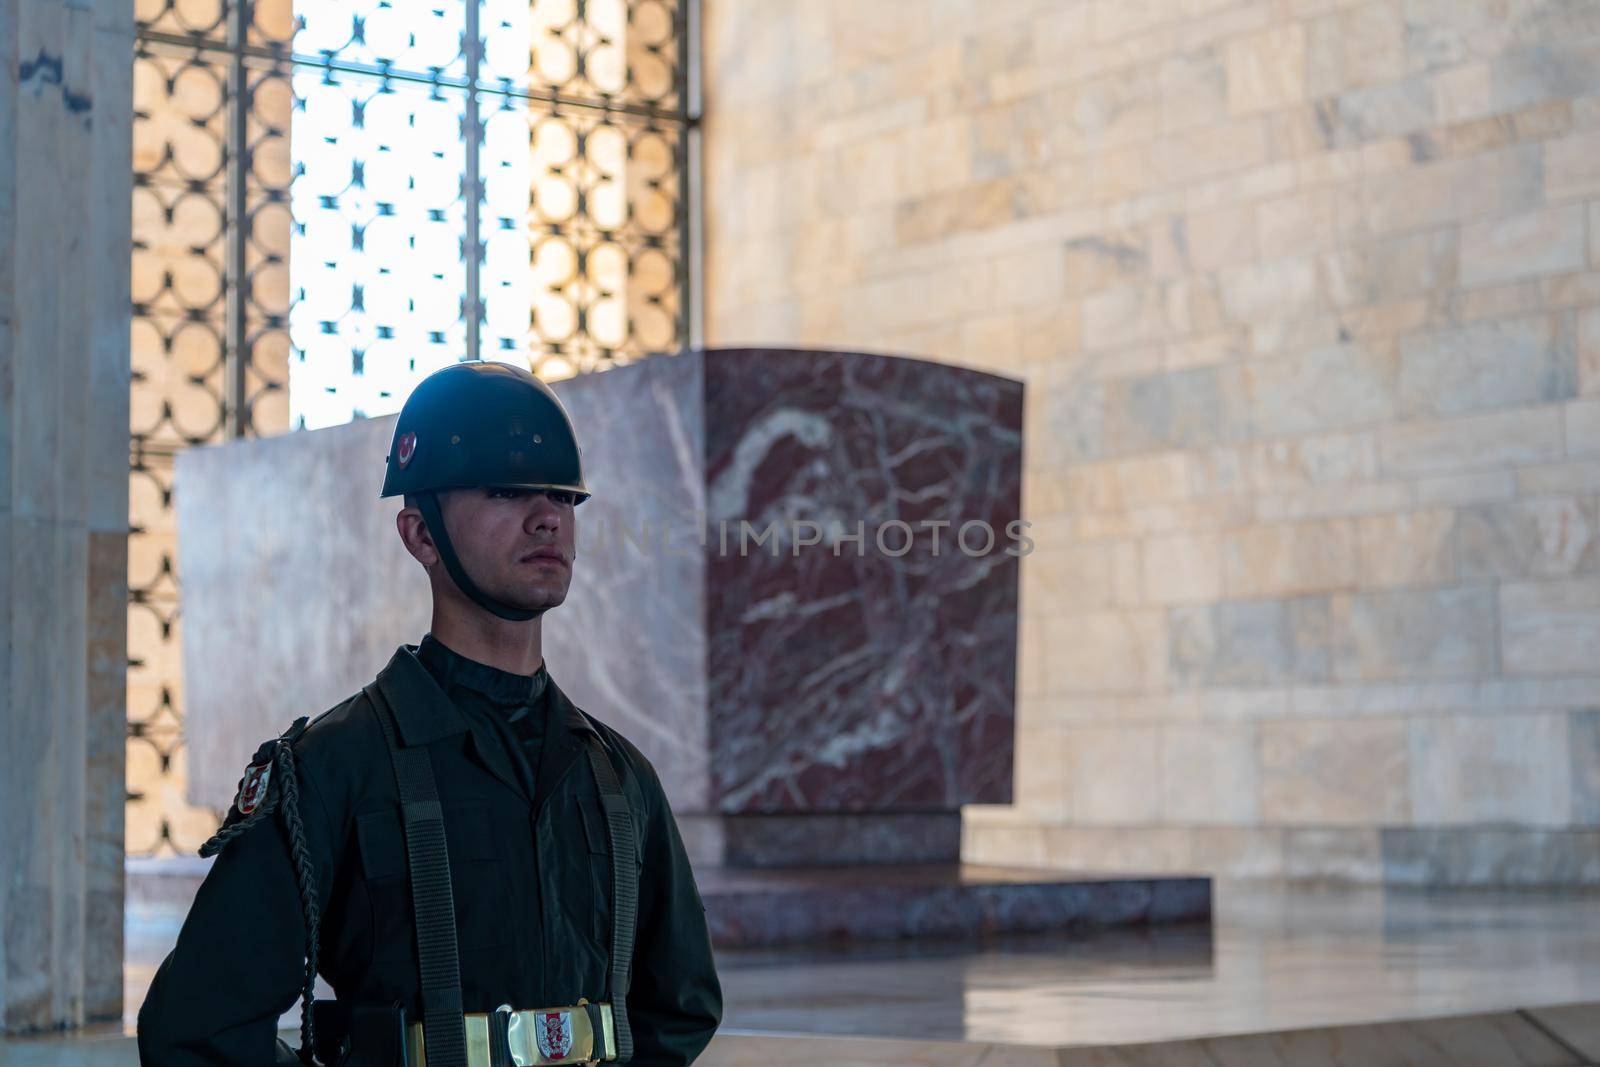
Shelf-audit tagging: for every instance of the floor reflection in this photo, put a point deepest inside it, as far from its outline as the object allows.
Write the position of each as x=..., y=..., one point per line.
x=1276, y=958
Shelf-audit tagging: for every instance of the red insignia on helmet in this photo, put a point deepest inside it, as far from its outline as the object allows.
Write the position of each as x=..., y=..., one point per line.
x=405, y=448
x=253, y=790
x=554, y=1034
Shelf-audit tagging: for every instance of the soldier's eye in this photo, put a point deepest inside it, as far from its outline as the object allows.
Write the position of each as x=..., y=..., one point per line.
x=562, y=496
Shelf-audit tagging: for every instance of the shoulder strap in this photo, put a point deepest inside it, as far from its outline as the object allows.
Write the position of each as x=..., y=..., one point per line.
x=624, y=891
x=433, y=901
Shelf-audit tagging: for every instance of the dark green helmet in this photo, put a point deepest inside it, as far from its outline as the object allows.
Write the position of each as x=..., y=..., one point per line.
x=484, y=423
x=481, y=423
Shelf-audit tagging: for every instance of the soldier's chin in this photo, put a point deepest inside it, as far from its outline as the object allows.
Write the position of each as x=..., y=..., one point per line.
x=536, y=599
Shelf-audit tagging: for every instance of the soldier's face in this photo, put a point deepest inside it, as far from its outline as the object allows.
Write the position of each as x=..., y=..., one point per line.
x=517, y=544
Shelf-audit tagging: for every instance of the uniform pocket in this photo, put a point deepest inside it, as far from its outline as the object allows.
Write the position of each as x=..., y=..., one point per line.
x=383, y=847
x=597, y=903
x=592, y=814
x=477, y=876
x=593, y=817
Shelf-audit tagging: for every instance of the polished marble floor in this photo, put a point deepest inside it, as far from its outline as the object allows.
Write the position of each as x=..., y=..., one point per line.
x=1275, y=959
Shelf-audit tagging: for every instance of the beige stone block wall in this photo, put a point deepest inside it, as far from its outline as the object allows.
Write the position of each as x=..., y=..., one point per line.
x=1307, y=297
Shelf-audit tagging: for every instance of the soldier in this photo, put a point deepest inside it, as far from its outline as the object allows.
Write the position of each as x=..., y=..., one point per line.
x=484, y=874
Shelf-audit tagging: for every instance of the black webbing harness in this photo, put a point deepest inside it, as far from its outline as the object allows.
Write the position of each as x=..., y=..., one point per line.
x=624, y=892
x=433, y=901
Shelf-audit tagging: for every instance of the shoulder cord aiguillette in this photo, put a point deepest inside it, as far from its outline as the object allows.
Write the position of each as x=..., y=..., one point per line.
x=286, y=799
x=306, y=876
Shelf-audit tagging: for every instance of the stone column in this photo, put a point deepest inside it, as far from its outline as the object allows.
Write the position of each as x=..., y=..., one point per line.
x=65, y=113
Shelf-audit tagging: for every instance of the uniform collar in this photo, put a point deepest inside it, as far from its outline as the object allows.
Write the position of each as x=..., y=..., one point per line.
x=500, y=687
x=424, y=713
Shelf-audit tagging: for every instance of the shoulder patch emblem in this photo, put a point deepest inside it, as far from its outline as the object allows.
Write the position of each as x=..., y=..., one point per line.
x=259, y=791
x=253, y=790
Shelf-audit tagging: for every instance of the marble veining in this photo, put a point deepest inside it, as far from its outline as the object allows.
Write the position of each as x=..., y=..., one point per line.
x=861, y=682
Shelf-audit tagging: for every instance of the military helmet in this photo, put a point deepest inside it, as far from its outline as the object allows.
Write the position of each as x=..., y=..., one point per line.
x=484, y=423
x=481, y=423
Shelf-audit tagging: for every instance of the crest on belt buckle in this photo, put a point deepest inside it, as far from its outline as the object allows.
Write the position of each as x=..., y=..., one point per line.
x=554, y=1034
x=253, y=790
x=405, y=448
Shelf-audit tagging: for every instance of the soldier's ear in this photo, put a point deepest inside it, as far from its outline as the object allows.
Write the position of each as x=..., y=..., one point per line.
x=415, y=536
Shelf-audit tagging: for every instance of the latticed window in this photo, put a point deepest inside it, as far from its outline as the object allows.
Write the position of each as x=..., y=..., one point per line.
x=333, y=198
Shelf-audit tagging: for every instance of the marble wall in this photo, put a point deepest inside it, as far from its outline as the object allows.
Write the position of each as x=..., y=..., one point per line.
x=296, y=588
x=1307, y=297
x=65, y=74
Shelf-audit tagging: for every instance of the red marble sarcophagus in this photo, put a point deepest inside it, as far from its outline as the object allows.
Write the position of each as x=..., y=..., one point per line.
x=797, y=593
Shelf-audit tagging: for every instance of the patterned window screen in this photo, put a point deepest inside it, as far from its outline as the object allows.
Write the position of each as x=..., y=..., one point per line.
x=333, y=198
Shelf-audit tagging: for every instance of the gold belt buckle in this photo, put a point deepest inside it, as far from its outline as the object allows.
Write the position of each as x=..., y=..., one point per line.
x=541, y=1037
x=558, y=1036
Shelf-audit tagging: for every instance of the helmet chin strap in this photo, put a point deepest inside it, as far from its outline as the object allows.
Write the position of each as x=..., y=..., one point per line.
x=428, y=504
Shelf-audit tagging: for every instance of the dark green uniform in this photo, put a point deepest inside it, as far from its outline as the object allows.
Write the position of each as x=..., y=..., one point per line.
x=530, y=867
